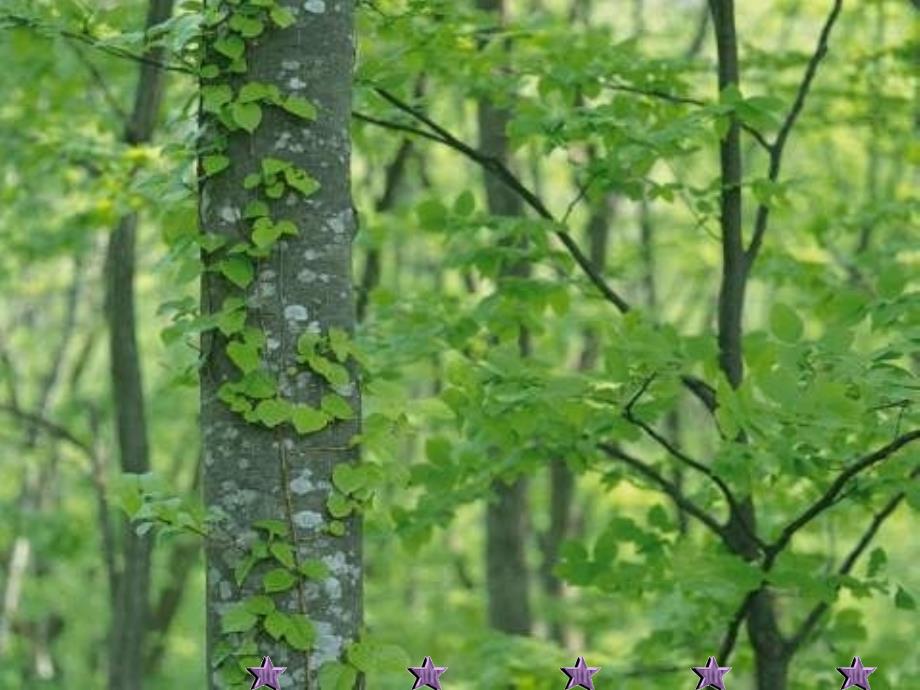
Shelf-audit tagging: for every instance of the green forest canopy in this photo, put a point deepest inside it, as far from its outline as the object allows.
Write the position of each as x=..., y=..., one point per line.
x=616, y=356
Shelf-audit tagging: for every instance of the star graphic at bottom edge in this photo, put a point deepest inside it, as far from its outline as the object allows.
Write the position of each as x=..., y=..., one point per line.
x=427, y=674
x=266, y=674
x=856, y=674
x=711, y=674
x=580, y=674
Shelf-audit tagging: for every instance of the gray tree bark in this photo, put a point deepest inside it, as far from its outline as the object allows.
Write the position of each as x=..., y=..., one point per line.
x=507, y=575
x=250, y=471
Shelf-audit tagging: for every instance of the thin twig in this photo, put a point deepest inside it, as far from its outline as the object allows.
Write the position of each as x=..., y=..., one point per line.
x=668, y=487
x=814, y=616
x=827, y=499
x=683, y=457
x=777, y=147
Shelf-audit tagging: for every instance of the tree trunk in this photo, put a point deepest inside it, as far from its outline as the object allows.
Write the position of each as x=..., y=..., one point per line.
x=129, y=618
x=252, y=472
x=771, y=658
x=507, y=577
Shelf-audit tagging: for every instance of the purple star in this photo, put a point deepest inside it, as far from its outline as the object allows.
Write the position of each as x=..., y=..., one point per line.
x=427, y=674
x=266, y=674
x=711, y=674
x=857, y=674
x=580, y=674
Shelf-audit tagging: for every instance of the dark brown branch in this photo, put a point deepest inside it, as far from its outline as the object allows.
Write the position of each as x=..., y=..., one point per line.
x=93, y=42
x=828, y=498
x=498, y=168
x=101, y=84
x=778, y=146
x=671, y=489
x=700, y=389
x=53, y=429
x=682, y=100
x=814, y=616
x=680, y=455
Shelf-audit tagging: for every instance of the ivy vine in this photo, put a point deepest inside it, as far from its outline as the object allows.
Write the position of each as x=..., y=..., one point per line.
x=230, y=107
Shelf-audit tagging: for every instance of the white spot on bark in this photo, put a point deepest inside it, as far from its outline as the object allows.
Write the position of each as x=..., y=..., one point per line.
x=311, y=255
x=333, y=588
x=272, y=343
x=315, y=6
x=295, y=312
x=328, y=644
x=228, y=214
x=290, y=65
x=308, y=519
x=302, y=484
x=296, y=83
x=224, y=590
x=306, y=276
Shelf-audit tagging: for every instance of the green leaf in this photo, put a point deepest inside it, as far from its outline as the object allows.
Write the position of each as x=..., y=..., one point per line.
x=244, y=355
x=247, y=27
x=283, y=553
x=308, y=420
x=255, y=209
x=246, y=115
x=337, y=676
x=230, y=46
x=253, y=91
x=300, y=180
x=259, y=385
x=274, y=528
x=273, y=166
x=274, y=191
x=306, y=344
x=215, y=96
x=286, y=227
x=432, y=214
x=275, y=624
x=252, y=180
x=300, y=107
x=465, y=204
x=242, y=569
x=273, y=412
x=238, y=270
x=214, y=164
x=265, y=233
x=336, y=528
x=371, y=656
x=338, y=505
x=337, y=406
x=278, y=580
x=785, y=323
x=334, y=373
x=259, y=605
x=903, y=600
x=339, y=343
x=349, y=478
x=237, y=619
x=314, y=569
x=299, y=632
x=281, y=16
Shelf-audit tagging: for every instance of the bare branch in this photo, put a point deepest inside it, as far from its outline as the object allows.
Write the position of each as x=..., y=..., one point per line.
x=777, y=147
